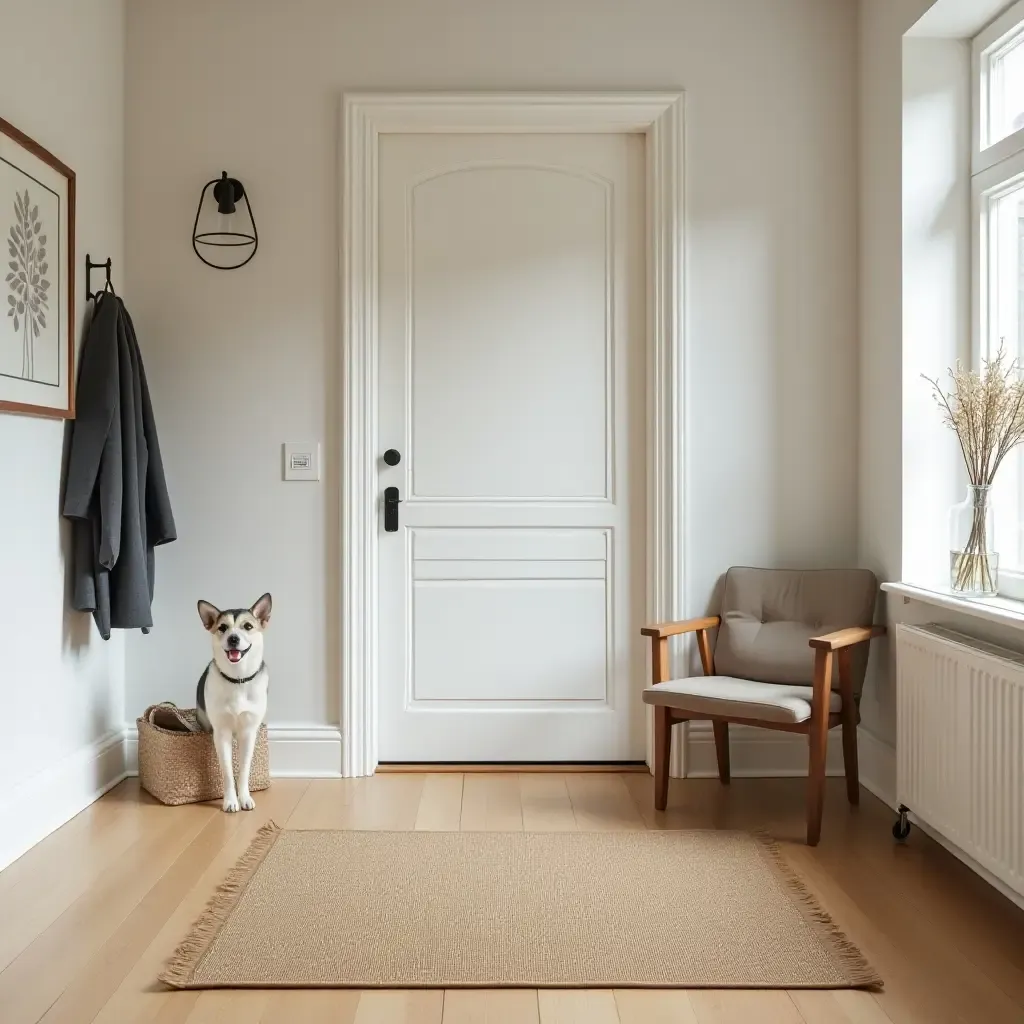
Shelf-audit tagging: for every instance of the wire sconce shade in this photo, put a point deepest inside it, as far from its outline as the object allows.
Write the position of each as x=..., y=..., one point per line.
x=231, y=232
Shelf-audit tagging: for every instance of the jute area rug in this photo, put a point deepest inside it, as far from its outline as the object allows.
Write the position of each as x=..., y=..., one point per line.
x=504, y=909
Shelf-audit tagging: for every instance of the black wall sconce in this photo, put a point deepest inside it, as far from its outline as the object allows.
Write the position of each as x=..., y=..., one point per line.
x=232, y=231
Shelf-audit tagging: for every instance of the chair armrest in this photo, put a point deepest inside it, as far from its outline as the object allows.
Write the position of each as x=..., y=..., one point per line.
x=846, y=637
x=664, y=629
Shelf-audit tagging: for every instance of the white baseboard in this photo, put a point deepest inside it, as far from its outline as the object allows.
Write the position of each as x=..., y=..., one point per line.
x=877, y=766
x=41, y=804
x=296, y=752
x=305, y=752
x=756, y=753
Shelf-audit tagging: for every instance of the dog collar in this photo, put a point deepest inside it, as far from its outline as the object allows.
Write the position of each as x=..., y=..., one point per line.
x=247, y=679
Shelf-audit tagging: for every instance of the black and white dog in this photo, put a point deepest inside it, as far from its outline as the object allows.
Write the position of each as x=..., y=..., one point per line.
x=231, y=699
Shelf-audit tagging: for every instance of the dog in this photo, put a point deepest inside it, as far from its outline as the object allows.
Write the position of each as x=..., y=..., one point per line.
x=231, y=699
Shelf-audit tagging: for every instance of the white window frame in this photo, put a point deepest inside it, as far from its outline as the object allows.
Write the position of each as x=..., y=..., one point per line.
x=995, y=170
x=999, y=35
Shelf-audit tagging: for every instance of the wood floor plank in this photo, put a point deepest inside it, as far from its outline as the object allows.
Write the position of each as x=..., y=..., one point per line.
x=844, y=1006
x=138, y=997
x=603, y=803
x=491, y=803
x=313, y=1006
x=323, y=805
x=577, y=1006
x=440, y=808
x=176, y=1008
x=228, y=1007
x=910, y=996
x=743, y=1006
x=647, y=1006
x=775, y=805
x=400, y=1007
x=985, y=928
x=958, y=983
x=99, y=979
x=386, y=802
x=63, y=873
x=546, y=804
x=491, y=1006
x=81, y=836
x=41, y=972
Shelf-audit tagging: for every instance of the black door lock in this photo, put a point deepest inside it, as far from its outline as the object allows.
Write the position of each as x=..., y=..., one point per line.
x=391, y=503
x=392, y=457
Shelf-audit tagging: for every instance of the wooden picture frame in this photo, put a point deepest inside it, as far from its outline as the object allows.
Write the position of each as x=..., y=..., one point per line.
x=37, y=325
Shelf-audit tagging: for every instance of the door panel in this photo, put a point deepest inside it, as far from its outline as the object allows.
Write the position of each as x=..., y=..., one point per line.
x=511, y=375
x=556, y=607
x=510, y=290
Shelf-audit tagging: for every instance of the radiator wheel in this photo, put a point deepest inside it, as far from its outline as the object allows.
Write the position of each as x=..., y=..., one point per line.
x=901, y=829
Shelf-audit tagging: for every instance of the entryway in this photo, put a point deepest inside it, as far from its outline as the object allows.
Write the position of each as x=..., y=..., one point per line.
x=513, y=465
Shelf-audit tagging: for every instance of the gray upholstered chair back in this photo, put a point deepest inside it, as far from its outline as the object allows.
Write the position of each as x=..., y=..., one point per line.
x=768, y=616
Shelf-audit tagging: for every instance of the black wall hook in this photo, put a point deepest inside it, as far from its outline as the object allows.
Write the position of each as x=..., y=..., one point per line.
x=89, y=268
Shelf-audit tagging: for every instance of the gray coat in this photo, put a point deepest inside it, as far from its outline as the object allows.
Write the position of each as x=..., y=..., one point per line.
x=115, y=492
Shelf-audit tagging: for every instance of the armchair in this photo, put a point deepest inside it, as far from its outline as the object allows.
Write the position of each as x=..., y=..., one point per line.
x=791, y=654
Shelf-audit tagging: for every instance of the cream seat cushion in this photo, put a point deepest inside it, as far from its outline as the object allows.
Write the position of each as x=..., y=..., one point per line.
x=731, y=697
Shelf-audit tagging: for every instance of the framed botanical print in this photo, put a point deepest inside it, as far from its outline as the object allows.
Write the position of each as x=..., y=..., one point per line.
x=37, y=332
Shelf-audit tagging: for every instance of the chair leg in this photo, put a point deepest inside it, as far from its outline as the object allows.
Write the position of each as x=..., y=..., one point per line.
x=721, y=730
x=850, y=758
x=817, y=731
x=849, y=727
x=662, y=750
x=816, y=782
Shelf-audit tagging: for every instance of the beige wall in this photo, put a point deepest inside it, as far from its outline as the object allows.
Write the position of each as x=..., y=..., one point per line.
x=240, y=362
x=63, y=687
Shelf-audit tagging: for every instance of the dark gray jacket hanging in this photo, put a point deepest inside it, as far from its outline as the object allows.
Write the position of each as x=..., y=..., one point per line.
x=115, y=493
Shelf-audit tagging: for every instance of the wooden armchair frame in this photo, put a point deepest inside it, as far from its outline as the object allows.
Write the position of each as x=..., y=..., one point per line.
x=839, y=644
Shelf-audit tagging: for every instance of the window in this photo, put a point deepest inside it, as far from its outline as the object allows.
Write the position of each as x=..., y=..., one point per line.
x=999, y=88
x=1004, y=73
x=998, y=191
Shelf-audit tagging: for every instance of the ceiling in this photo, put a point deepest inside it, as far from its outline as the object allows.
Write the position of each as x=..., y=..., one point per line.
x=957, y=19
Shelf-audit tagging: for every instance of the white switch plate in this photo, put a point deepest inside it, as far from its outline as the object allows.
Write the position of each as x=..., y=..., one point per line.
x=301, y=460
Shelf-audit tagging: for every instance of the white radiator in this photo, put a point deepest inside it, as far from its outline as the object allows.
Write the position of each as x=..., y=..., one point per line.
x=960, y=744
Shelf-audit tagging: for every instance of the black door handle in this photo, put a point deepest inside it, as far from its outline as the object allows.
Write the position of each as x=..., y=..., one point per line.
x=391, y=502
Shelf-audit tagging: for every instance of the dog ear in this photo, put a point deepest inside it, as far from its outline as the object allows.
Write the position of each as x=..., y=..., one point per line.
x=209, y=614
x=261, y=609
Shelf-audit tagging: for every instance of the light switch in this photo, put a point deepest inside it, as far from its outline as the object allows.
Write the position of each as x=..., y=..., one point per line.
x=301, y=460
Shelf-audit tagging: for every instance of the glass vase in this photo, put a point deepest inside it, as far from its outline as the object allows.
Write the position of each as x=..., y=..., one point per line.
x=973, y=562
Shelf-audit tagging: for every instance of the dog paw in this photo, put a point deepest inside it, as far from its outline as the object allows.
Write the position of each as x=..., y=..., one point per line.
x=231, y=804
x=246, y=802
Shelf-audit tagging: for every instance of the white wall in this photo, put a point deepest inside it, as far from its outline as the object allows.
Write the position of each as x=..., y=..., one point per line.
x=936, y=291
x=880, y=523
x=62, y=686
x=239, y=362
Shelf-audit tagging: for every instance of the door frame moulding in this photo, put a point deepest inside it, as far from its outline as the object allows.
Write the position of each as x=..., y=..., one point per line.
x=364, y=118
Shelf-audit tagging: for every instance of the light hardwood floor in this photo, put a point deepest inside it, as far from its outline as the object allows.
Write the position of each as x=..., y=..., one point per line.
x=89, y=915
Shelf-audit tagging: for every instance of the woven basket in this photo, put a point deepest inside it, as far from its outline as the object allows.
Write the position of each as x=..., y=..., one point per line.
x=178, y=764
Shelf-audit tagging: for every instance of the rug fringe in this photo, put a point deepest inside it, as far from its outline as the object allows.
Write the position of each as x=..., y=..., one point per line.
x=180, y=969
x=859, y=971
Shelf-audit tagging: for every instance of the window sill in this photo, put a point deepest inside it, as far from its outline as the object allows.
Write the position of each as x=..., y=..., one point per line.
x=1002, y=610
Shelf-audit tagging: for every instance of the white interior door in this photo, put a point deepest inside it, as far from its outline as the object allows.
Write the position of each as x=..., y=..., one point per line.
x=511, y=376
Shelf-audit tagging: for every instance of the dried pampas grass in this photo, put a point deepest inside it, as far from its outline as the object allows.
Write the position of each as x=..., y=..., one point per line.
x=986, y=412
